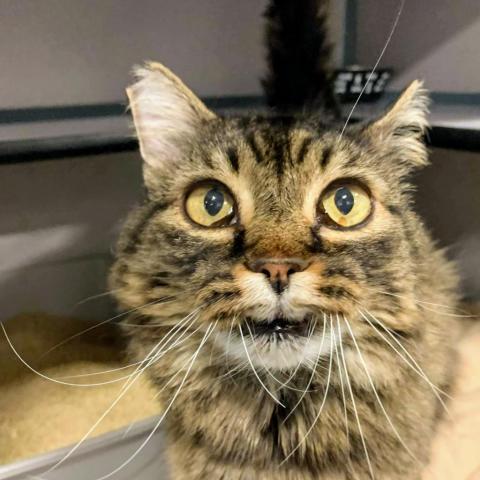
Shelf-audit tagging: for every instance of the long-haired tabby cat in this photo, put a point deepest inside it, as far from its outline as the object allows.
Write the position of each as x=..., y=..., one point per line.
x=291, y=299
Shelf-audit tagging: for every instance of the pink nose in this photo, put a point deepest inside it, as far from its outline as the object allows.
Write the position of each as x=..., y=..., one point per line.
x=278, y=272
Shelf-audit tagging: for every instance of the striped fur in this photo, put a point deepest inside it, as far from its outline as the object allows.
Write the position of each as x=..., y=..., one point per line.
x=223, y=424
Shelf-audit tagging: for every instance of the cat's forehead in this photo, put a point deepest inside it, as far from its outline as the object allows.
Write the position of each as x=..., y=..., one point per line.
x=276, y=148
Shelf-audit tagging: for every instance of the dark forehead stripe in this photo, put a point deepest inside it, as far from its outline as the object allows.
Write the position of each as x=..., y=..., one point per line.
x=326, y=156
x=304, y=149
x=232, y=156
x=252, y=143
x=277, y=146
x=281, y=151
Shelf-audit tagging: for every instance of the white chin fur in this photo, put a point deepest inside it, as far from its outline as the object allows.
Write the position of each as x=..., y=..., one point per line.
x=275, y=355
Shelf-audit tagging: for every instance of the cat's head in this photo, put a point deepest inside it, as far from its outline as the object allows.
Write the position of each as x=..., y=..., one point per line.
x=275, y=229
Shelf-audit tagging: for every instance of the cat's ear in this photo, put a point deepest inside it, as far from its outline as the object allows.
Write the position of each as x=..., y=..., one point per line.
x=401, y=129
x=167, y=116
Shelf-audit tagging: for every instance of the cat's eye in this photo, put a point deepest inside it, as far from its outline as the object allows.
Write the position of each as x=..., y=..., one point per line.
x=210, y=205
x=346, y=205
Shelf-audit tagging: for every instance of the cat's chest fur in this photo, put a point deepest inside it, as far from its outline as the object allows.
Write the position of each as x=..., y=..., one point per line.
x=234, y=430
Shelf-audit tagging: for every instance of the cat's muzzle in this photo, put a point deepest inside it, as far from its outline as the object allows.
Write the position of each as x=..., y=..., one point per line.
x=278, y=327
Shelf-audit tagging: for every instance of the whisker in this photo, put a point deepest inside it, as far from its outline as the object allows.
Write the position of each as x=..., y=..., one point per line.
x=422, y=304
x=98, y=421
x=309, y=338
x=268, y=371
x=93, y=297
x=69, y=384
x=389, y=38
x=275, y=399
x=340, y=374
x=157, y=353
x=233, y=371
x=340, y=342
x=415, y=367
x=321, y=406
x=93, y=327
x=210, y=329
x=151, y=358
x=312, y=376
x=103, y=372
x=380, y=403
x=180, y=370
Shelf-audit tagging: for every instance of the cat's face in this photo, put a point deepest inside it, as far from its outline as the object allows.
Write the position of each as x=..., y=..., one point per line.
x=273, y=229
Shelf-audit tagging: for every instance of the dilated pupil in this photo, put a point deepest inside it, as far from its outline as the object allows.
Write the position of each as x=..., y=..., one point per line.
x=344, y=200
x=213, y=201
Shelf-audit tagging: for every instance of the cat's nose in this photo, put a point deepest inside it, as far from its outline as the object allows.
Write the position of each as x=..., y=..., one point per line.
x=278, y=272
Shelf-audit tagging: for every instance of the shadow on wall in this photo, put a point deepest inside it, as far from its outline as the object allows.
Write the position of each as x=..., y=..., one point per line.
x=59, y=223
x=448, y=198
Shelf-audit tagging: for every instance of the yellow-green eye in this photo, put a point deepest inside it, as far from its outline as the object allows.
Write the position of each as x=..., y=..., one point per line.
x=210, y=205
x=346, y=205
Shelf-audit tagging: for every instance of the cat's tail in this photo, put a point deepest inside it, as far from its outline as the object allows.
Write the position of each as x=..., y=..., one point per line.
x=299, y=56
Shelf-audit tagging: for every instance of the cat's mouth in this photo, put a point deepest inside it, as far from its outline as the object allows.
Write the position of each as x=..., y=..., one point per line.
x=279, y=328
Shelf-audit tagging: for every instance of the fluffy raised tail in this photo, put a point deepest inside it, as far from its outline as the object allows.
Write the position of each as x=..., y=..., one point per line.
x=299, y=52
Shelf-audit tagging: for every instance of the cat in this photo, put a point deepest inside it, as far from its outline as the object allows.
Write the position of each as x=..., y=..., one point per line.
x=283, y=296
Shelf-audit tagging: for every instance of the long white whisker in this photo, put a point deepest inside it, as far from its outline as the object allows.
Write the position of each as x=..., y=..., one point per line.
x=236, y=369
x=275, y=399
x=321, y=406
x=415, y=367
x=59, y=381
x=445, y=314
x=99, y=420
x=267, y=370
x=309, y=338
x=312, y=375
x=340, y=374
x=449, y=307
x=50, y=379
x=367, y=456
x=103, y=372
x=97, y=325
x=177, y=341
x=184, y=365
x=210, y=329
x=372, y=384
x=132, y=379
x=392, y=31
x=93, y=297
x=157, y=353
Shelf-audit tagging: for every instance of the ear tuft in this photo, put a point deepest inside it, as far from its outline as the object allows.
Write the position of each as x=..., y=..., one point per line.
x=402, y=128
x=166, y=115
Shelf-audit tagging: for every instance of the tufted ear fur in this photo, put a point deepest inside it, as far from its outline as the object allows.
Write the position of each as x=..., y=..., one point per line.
x=166, y=115
x=400, y=130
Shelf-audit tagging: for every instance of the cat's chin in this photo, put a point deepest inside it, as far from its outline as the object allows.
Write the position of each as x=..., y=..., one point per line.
x=276, y=344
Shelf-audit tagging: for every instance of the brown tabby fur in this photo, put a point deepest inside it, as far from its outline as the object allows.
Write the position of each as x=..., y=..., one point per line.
x=223, y=424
